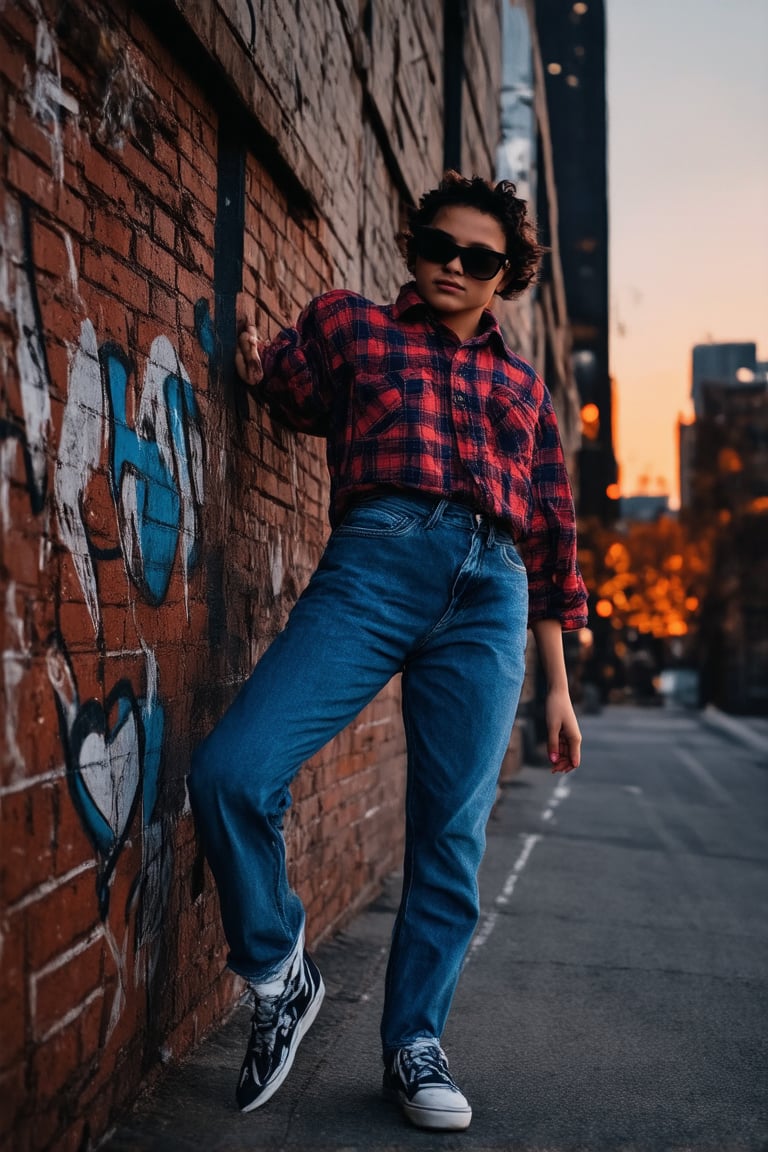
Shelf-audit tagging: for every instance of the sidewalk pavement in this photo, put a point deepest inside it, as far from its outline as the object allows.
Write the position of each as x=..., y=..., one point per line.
x=751, y=731
x=612, y=996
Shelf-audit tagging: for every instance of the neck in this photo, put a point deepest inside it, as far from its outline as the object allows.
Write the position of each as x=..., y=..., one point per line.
x=464, y=324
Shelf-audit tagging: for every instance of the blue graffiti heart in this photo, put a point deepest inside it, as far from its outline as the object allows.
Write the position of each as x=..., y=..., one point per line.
x=105, y=769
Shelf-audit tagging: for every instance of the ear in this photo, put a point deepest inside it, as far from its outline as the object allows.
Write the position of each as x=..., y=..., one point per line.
x=502, y=284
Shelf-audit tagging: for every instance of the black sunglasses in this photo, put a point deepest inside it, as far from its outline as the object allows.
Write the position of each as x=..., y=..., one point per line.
x=437, y=247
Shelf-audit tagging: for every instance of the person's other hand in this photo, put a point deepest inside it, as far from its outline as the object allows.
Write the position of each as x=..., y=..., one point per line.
x=247, y=359
x=563, y=735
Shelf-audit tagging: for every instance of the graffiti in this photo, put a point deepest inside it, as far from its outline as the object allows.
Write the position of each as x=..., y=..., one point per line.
x=25, y=432
x=130, y=446
x=204, y=328
x=80, y=450
x=112, y=754
x=18, y=292
x=47, y=98
x=155, y=467
x=154, y=464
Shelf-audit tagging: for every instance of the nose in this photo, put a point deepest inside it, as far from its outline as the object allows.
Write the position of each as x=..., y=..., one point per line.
x=454, y=265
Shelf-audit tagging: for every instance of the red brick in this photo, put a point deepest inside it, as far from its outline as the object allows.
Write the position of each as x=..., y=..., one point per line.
x=13, y=994
x=163, y=306
x=200, y=256
x=156, y=261
x=62, y=917
x=80, y=975
x=50, y=253
x=163, y=227
x=21, y=23
x=166, y=157
x=54, y=1062
x=120, y=279
x=111, y=231
x=107, y=178
x=110, y=317
x=14, y=64
x=203, y=192
x=29, y=134
x=71, y=845
x=12, y=1099
x=191, y=285
x=26, y=820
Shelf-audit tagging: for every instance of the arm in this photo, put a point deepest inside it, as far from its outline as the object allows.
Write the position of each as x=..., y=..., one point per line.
x=563, y=735
x=292, y=374
x=557, y=593
x=555, y=586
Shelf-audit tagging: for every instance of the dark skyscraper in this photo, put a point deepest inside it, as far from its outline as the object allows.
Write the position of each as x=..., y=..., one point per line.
x=572, y=39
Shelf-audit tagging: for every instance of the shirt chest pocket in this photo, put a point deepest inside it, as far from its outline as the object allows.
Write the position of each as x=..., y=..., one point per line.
x=512, y=421
x=382, y=403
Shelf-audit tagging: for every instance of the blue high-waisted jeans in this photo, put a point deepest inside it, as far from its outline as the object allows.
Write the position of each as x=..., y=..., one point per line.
x=406, y=584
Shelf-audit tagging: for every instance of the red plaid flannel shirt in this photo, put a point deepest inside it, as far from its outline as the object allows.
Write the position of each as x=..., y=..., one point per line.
x=402, y=401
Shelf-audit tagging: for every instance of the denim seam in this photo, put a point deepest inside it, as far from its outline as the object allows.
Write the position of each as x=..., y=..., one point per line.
x=457, y=602
x=410, y=841
x=506, y=559
x=435, y=515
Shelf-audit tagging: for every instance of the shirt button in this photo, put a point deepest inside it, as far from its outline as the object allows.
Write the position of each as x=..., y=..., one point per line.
x=460, y=400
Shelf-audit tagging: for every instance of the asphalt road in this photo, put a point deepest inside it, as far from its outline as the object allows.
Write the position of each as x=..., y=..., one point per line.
x=616, y=995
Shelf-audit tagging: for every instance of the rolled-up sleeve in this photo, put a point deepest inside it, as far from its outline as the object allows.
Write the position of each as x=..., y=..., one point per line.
x=556, y=589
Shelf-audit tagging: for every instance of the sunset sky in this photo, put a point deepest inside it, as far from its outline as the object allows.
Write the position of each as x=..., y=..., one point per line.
x=688, y=162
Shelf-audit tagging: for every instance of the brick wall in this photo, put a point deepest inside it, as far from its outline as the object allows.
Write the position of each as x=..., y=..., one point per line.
x=162, y=165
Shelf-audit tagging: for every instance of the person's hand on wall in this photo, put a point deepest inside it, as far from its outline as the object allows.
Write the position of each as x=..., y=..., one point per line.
x=247, y=359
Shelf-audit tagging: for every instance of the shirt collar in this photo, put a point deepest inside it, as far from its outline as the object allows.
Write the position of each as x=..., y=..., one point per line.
x=409, y=300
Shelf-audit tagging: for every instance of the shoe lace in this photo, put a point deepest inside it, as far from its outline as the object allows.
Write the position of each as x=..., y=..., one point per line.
x=425, y=1062
x=270, y=1016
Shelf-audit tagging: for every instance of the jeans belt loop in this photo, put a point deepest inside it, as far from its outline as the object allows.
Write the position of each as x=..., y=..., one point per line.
x=436, y=514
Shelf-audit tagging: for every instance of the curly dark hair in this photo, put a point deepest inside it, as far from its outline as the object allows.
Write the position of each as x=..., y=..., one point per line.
x=499, y=200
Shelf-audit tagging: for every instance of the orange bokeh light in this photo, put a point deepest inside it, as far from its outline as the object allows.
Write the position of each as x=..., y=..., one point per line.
x=604, y=609
x=613, y=492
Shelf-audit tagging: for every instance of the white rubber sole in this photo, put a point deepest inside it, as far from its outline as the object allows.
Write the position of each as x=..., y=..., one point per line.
x=439, y=1119
x=442, y=1120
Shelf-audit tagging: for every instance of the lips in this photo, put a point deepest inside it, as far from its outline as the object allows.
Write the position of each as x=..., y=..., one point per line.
x=448, y=286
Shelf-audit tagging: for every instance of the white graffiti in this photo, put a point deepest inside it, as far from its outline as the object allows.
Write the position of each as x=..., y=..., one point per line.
x=16, y=661
x=46, y=96
x=17, y=294
x=80, y=448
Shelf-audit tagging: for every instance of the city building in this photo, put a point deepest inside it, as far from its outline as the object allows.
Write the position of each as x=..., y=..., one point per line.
x=722, y=364
x=539, y=325
x=572, y=44
x=644, y=509
x=727, y=509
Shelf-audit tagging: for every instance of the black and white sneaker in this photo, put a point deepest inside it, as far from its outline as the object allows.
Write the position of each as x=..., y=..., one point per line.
x=418, y=1078
x=284, y=1011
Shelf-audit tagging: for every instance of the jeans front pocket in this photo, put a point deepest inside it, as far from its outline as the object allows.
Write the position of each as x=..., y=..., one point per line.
x=378, y=517
x=511, y=556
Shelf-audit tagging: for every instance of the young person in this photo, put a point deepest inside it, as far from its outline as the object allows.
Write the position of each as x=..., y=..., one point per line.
x=453, y=529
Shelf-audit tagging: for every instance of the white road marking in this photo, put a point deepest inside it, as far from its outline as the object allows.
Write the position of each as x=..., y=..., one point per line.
x=703, y=775
x=560, y=792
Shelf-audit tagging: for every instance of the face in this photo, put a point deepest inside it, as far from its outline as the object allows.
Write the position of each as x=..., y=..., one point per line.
x=446, y=286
